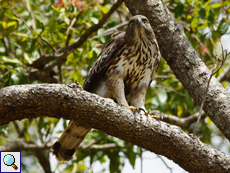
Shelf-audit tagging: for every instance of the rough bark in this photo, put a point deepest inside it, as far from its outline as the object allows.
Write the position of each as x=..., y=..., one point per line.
x=71, y=102
x=185, y=61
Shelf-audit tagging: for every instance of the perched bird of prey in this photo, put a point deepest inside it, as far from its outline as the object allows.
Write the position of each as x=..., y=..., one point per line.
x=123, y=71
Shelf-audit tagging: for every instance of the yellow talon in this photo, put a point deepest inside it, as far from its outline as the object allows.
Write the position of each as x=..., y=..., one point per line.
x=134, y=109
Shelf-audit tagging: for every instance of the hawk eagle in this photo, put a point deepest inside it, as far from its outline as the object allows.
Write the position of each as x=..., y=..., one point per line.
x=123, y=71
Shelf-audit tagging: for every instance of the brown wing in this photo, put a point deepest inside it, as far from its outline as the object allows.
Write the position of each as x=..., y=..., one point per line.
x=109, y=51
x=157, y=61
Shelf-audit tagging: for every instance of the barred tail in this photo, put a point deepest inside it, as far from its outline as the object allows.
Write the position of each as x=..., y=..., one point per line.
x=69, y=141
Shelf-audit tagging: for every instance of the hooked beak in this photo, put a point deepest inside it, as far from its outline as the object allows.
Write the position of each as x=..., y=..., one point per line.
x=139, y=22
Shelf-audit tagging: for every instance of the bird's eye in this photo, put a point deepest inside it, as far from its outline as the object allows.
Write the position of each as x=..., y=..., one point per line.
x=131, y=24
x=145, y=22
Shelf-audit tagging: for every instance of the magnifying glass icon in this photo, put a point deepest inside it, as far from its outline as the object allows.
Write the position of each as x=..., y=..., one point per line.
x=9, y=160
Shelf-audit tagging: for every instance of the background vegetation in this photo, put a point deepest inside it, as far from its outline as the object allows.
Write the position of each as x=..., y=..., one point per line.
x=54, y=42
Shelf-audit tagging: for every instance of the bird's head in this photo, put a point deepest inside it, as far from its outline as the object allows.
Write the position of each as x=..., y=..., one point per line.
x=139, y=28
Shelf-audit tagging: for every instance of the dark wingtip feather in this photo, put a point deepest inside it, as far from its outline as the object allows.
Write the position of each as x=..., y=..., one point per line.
x=65, y=154
x=56, y=146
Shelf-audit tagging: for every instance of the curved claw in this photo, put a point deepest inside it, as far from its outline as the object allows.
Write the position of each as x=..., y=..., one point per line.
x=147, y=113
x=141, y=109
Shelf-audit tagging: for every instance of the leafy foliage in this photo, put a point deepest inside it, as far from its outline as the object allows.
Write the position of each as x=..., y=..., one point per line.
x=32, y=30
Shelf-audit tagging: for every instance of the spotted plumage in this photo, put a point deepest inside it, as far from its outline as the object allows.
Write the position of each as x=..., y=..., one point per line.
x=123, y=71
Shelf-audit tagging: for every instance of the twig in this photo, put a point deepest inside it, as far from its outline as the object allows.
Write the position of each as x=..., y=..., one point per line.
x=60, y=57
x=224, y=54
x=74, y=170
x=106, y=147
x=59, y=74
x=90, y=145
x=67, y=45
x=6, y=45
x=31, y=14
x=16, y=126
x=31, y=30
x=48, y=67
x=165, y=163
x=39, y=130
x=43, y=39
x=74, y=19
x=175, y=120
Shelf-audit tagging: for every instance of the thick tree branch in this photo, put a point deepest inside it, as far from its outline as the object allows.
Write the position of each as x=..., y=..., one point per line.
x=185, y=61
x=71, y=102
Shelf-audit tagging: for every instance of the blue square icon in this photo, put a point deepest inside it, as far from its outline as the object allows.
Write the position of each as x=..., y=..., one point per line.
x=10, y=161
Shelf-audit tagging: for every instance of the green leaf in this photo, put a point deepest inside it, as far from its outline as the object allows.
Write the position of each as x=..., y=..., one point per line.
x=210, y=46
x=94, y=20
x=106, y=8
x=95, y=156
x=194, y=23
x=100, y=34
x=27, y=135
x=27, y=58
x=217, y=5
x=21, y=34
x=211, y=17
x=5, y=78
x=81, y=156
x=179, y=9
x=223, y=26
x=118, y=142
x=14, y=78
x=64, y=123
x=223, y=20
x=26, y=124
x=4, y=130
x=131, y=156
x=41, y=123
x=8, y=59
x=103, y=159
x=22, y=76
x=162, y=96
x=13, y=23
x=202, y=13
x=4, y=24
x=67, y=20
x=114, y=161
